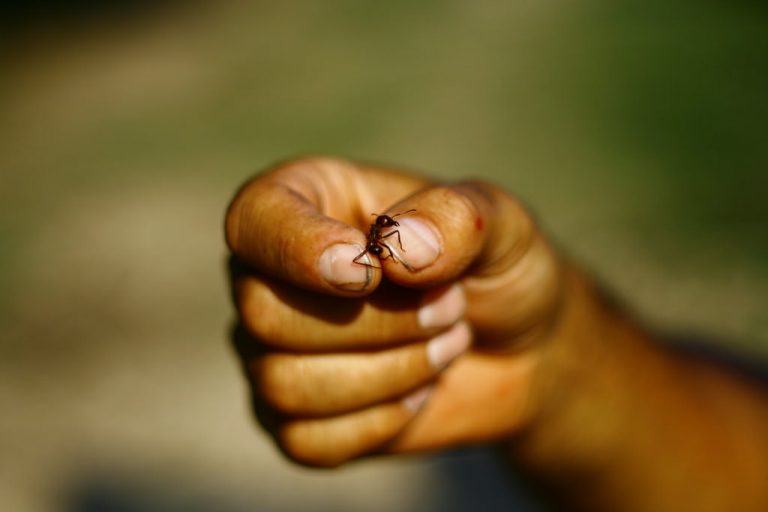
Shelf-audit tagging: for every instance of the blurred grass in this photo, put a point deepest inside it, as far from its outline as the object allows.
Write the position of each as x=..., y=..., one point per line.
x=635, y=130
x=690, y=89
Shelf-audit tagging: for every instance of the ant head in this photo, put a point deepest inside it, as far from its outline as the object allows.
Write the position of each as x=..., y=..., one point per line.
x=385, y=221
x=374, y=249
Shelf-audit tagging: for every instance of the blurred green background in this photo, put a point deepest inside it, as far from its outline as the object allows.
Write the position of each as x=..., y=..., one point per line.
x=637, y=132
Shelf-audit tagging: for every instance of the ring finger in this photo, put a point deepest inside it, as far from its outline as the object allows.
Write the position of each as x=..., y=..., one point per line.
x=324, y=384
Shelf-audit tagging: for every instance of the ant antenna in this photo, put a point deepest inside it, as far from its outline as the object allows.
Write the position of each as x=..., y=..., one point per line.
x=395, y=215
x=403, y=213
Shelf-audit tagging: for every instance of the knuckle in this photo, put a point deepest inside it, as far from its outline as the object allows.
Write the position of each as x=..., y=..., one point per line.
x=232, y=222
x=279, y=383
x=456, y=217
x=305, y=442
x=258, y=313
x=255, y=189
x=236, y=216
x=462, y=202
x=312, y=163
x=458, y=209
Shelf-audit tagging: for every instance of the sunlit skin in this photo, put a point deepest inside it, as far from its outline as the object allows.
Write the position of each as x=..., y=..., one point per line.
x=347, y=361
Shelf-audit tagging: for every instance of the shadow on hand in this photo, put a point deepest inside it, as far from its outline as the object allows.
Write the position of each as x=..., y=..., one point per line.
x=331, y=309
x=248, y=349
x=718, y=352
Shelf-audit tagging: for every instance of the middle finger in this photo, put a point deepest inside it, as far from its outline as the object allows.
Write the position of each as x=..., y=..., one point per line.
x=284, y=317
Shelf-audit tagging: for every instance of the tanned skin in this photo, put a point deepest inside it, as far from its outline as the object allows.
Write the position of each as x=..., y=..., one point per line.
x=484, y=334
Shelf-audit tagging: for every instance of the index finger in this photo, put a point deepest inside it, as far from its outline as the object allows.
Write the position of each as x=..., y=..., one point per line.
x=512, y=277
x=298, y=222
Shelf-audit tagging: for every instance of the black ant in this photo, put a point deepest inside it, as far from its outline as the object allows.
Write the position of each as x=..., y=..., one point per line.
x=376, y=244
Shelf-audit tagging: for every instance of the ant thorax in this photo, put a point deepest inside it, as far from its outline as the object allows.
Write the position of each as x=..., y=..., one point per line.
x=378, y=242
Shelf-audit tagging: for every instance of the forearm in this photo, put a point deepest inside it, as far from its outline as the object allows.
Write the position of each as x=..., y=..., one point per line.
x=623, y=423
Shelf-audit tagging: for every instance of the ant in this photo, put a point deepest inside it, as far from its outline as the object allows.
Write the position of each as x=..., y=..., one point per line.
x=376, y=244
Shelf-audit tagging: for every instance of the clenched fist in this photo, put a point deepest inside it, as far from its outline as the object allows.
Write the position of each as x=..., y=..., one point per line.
x=435, y=346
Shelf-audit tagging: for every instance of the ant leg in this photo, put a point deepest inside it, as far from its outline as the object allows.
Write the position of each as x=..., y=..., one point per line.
x=390, y=253
x=362, y=262
x=399, y=242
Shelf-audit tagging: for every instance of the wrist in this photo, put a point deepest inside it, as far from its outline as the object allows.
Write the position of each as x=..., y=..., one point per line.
x=578, y=396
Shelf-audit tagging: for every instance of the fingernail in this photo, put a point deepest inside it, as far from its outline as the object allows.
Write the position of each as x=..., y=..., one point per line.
x=442, y=307
x=338, y=268
x=443, y=349
x=420, y=241
x=416, y=400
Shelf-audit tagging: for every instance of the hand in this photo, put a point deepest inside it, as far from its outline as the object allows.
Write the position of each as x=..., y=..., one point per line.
x=445, y=351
